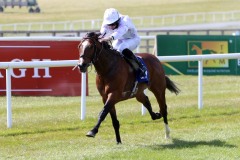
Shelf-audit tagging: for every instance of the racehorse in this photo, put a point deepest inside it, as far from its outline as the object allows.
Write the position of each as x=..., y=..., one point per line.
x=115, y=81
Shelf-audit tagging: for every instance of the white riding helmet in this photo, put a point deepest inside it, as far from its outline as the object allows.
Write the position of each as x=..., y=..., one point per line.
x=111, y=15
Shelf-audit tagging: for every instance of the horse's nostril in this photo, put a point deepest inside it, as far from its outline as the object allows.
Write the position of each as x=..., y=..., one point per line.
x=83, y=67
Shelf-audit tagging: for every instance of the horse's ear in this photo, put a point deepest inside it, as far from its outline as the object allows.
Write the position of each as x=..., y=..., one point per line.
x=98, y=34
x=91, y=35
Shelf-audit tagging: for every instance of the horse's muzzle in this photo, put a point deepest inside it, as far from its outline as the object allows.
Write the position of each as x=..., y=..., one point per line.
x=83, y=67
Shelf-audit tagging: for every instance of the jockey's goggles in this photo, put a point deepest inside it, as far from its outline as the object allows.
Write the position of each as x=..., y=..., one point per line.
x=113, y=24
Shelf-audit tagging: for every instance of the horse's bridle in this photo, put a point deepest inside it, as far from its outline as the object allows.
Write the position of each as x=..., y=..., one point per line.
x=96, y=54
x=95, y=57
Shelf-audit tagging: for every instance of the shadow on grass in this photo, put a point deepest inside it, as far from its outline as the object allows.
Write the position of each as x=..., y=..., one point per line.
x=179, y=144
x=19, y=133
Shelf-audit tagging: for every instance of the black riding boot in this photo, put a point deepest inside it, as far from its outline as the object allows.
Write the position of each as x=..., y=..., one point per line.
x=134, y=62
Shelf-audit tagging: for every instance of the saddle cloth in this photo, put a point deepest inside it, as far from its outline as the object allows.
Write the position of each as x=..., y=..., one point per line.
x=143, y=78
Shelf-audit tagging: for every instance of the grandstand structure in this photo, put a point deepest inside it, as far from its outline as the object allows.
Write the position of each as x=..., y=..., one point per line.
x=31, y=4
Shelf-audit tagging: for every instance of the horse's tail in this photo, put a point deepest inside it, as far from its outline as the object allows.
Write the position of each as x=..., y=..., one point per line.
x=171, y=86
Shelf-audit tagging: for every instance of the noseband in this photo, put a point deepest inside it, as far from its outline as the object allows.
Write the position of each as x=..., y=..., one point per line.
x=96, y=54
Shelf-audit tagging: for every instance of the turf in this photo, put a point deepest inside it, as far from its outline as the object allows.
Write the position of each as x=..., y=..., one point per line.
x=50, y=127
x=68, y=10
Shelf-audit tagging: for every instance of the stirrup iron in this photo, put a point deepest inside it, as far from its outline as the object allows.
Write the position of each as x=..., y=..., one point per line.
x=134, y=90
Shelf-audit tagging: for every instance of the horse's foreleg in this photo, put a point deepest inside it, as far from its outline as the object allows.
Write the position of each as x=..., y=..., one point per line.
x=116, y=125
x=102, y=116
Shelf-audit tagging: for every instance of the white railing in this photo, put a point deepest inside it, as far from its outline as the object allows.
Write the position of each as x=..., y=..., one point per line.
x=140, y=22
x=200, y=59
x=10, y=65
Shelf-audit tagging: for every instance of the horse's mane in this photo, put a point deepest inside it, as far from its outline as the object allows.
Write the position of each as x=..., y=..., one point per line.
x=106, y=45
x=92, y=35
x=109, y=48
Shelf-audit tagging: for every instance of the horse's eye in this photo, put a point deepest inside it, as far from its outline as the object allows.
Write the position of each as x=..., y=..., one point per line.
x=81, y=56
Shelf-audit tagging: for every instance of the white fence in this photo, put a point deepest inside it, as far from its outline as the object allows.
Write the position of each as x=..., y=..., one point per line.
x=10, y=65
x=140, y=22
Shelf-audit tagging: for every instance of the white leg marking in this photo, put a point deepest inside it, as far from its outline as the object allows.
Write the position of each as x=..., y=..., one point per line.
x=167, y=132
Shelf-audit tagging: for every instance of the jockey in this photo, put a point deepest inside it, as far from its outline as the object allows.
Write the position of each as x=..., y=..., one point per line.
x=122, y=31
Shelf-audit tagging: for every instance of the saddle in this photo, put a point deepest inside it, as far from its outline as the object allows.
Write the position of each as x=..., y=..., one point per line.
x=144, y=78
x=139, y=77
x=136, y=63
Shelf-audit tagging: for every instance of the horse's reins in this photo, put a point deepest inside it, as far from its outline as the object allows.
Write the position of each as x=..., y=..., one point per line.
x=96, y=56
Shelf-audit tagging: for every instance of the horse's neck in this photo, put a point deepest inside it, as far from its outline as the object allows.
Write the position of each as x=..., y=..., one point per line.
x=107, y=61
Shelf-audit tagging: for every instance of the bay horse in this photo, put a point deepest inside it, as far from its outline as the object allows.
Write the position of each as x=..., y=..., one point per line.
x=115, y=80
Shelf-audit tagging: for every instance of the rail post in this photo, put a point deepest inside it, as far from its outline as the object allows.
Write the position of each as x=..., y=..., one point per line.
x=200, y=86
x=144, y=110
x=83, y=96
x=9, y=95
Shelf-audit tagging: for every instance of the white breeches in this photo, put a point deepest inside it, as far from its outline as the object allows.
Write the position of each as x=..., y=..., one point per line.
x=121, y=44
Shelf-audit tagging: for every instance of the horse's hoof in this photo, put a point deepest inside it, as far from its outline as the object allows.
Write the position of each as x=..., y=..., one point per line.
x=156, y=116
x=167, y=136
x=90, y=134
x=119, y=143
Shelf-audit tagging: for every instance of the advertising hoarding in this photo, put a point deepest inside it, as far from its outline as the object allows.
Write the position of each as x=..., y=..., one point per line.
x=57, y=81
x=168, y=45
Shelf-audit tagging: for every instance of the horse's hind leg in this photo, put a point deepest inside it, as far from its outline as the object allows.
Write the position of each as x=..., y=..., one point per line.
x=167, y=129
x=145, y=101
x=160, y=96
